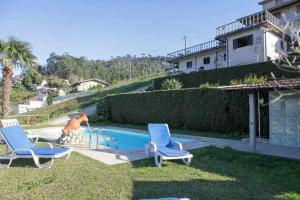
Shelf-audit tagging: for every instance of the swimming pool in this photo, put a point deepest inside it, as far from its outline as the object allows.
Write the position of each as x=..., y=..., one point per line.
x=123, y=140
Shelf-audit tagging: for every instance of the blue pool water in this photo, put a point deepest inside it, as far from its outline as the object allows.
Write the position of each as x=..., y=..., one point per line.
x=124, y=140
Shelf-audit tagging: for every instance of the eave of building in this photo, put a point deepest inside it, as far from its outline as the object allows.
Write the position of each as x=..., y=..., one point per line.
x=284, y=5
x=264, y=2
x=177, y=60
x=280, y=84
x=273, y=28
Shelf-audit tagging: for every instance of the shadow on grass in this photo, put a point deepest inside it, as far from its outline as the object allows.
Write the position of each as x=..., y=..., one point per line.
x=247, y=176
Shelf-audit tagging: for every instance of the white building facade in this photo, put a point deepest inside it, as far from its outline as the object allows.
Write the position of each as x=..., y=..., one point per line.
x=252, y=39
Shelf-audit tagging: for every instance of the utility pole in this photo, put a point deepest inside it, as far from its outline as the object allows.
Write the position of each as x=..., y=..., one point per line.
x=130, y=70
x=185, y=38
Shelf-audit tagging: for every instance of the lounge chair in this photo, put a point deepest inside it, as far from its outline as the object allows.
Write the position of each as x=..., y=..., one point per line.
x=163, y=147
x=14, y=122
x=21, y=147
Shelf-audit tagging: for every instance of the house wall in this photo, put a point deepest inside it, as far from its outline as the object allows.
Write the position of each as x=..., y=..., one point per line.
x=289, y=13
x=285, y=120
x=273, y=44
x=198, y=61
x=248, y=54
x=87, y=85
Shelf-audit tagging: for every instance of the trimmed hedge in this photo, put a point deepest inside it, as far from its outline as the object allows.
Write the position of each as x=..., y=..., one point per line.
x=193, y=109
x=223, y=76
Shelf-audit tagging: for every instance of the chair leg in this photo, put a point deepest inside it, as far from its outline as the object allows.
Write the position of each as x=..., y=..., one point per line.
x=187, y=161
x=68, y=155
x=158, y=160
x=42, y=166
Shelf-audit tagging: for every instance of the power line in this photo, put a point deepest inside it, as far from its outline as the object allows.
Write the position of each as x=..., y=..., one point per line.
x=168, y=44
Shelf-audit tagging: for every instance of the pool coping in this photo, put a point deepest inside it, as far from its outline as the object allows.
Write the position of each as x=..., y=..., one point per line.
x=192, y=138
x=111, y=156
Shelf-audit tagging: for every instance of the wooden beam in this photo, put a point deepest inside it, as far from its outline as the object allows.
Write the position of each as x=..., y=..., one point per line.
x=252, y=121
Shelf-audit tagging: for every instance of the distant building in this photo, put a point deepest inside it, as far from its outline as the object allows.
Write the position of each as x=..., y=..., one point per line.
x=61, y=93
x=33, y=103
x=17, y=80
x=85, y=85
x=251, y=39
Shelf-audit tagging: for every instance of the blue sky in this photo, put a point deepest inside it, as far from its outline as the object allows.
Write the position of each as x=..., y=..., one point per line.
x=99, y=29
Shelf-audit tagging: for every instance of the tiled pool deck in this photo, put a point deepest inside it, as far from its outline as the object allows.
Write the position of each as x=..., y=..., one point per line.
x=110, y=157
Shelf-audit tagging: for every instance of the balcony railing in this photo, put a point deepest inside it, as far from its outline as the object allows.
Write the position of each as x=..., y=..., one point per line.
x=195, y=49
x=249, y=21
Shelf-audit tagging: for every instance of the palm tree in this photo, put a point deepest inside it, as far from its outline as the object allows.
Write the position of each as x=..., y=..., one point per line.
x=13, y=53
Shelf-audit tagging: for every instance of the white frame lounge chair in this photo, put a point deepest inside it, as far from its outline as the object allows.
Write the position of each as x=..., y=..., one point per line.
x=22, y=147
x=14, y=122
x=163, y=147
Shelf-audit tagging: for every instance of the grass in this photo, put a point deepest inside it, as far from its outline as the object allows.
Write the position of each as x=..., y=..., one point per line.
x=214, y=174
x=232, y=136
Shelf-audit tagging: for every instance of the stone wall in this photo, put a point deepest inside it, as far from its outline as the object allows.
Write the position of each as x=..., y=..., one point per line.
x=285, y=120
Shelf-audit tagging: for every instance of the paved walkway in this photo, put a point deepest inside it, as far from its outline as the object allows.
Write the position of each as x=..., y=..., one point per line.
x=90, y=110
x=110, y=157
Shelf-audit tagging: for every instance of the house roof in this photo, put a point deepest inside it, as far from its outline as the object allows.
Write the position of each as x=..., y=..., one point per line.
x=282, y=84
x=93, y=79
x=280, y=6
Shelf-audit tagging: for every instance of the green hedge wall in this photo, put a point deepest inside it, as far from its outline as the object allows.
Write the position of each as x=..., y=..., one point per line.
x=191, y=109
x=225, y=75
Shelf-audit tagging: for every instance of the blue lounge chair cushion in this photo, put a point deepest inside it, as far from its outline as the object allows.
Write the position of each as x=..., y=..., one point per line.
x=16, y=138
x=171, y=152
x=44, y=151
x=160, y=134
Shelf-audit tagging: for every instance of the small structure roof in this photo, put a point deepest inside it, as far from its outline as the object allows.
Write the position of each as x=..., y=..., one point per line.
x=282, y=84
x=92, y=79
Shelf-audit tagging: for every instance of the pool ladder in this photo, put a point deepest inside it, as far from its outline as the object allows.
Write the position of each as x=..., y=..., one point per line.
x=100, y=133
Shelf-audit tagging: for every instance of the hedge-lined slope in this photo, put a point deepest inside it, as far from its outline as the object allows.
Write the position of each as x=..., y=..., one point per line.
x=225, y=75
x=192, y=109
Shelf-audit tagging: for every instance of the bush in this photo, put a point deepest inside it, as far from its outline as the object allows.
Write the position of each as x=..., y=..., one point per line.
x=193, y=109
x=250, y=79
x=223, y=76
x=171, y=84
x=103, y=109
x=209, y=85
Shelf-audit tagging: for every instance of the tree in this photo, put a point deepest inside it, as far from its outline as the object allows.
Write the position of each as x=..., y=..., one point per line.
x=32, y=77
x=13, y=53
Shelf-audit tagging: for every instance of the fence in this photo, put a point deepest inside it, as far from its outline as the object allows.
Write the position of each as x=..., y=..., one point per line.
x=30, y=120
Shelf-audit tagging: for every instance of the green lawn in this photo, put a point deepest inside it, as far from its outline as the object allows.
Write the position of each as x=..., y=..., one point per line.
x=214, y=174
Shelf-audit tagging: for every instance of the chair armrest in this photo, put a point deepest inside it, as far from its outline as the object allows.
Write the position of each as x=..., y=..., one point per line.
x=178, y=144
x=46, y=143
x=153, y=145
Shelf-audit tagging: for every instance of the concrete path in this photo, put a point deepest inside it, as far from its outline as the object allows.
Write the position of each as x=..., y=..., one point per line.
x=90, y=110
x=110, y=157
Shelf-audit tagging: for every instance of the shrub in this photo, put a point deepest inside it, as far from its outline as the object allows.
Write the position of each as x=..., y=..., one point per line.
x=171, y=84
x=224, y=76
x=254, y=79
x=192, y=109
x=103, y=109
x=209, y=85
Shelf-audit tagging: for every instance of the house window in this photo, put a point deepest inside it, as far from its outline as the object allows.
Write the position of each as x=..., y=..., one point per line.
x=189, y=64
x=243, y=42
x=277, y=15
x=278, y=2
x=298, y=9
x=206, y=60
x=282, y=45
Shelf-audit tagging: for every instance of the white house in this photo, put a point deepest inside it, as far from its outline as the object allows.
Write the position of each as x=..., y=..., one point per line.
x=85, y=85
x=34, y=103
x=247, y=40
